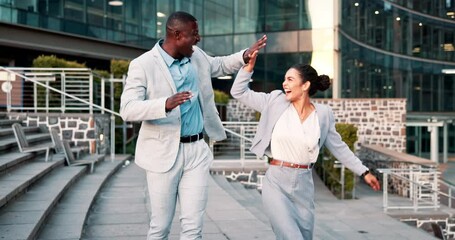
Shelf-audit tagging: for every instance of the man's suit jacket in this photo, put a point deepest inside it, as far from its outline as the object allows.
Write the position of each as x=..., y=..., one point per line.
x=149, y=84
x=272, y=105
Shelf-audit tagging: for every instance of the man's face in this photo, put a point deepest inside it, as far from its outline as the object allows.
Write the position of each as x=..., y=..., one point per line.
x=187, y=37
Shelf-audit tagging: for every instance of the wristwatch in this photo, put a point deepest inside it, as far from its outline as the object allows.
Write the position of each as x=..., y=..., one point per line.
x=364, y=174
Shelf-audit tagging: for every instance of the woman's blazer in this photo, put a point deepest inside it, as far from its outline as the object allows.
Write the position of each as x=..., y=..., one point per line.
x=272, y=105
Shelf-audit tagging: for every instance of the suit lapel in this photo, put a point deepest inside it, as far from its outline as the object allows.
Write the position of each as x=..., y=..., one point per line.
x=163, y=67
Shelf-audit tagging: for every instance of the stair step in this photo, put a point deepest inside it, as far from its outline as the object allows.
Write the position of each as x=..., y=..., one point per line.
x=68, y=218
x=246, y=197
x=4, y=132
x=23, y=218
x=7, y=122
x=10, y=142
x=11, y=159
x=17, y=181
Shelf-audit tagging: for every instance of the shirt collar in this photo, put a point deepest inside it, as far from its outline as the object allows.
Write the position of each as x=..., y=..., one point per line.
x=168, y=59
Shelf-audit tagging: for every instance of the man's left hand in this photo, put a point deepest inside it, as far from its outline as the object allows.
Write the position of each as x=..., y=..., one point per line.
x=259, y=44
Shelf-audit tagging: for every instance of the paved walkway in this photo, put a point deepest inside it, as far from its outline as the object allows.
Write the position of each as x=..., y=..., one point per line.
x=121, y=212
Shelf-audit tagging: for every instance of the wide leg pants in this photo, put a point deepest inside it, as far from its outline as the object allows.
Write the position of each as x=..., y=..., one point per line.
x=288, y=198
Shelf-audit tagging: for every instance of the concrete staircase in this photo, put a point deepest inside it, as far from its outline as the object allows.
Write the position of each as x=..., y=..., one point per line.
x=45, y=200
x=248, y=197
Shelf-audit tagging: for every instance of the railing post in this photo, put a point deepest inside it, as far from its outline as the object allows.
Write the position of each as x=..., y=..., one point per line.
x=385, y=197
x=103, y=88
x=8, y=93
x=63, y=90
x=47, y=96
x=342, y=181
x=416, y=195
x=112, y=119
x=353, y=189
x=8, y=101
x=35, y=97
x=112, y=137
x=242, y=146
x=436, y=188
x=90, y=96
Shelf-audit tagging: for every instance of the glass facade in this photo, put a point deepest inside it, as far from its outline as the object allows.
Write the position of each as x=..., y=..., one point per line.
x=225, y=26
x=398, y=49
x=371, y=49
x=131, y=23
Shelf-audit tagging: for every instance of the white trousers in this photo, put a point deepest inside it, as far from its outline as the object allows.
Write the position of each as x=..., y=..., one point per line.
x=187, y=182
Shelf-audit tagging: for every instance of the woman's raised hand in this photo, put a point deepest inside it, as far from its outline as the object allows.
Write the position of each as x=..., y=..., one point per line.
x=250, y=65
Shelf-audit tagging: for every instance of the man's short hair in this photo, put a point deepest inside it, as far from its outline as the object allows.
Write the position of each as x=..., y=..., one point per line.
x=176, y=18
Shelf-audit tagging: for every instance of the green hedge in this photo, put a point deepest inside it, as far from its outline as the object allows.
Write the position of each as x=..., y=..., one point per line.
x=119, y=67
x=52, y=61
x=326, y=163
x=221, y=97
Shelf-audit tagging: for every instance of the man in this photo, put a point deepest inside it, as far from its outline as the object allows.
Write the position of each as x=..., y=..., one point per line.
x=169, y=89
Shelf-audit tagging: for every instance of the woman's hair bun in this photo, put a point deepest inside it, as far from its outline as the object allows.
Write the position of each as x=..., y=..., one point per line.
x=324, y=82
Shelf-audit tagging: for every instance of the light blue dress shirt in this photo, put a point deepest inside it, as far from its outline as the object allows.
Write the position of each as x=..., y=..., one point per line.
x=185, y=79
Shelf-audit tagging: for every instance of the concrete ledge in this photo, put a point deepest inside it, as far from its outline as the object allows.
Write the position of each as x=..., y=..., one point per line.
x=400, y=157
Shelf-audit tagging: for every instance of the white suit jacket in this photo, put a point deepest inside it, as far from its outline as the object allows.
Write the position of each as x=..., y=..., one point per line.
x=272, y=105
x=149, y=84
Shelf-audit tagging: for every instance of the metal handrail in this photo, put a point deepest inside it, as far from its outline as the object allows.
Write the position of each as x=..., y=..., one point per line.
x=229, y=143
x=58, y=91
x=237, y=135
x=395, y=172
x=102, y=108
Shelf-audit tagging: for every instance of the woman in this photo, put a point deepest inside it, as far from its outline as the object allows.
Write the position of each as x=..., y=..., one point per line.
x=293, y=129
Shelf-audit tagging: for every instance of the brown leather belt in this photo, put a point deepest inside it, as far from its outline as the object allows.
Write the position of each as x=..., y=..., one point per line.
x=290, y=165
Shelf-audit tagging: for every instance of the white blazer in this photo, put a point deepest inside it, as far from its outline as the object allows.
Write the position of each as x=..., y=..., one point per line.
x=272, y=105
x=149, y=84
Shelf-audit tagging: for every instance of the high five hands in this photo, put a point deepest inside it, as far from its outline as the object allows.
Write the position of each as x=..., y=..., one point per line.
x=181, y=97
x=258, y=45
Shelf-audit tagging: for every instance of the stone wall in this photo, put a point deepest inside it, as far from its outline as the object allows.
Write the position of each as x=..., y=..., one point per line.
x=379, y=121
x=79, y=129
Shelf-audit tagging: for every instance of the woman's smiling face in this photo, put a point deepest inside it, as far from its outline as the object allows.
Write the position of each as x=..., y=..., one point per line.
x=293, y=85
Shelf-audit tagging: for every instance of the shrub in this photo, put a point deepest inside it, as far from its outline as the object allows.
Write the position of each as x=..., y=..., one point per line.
x=119, y=67
x=326, y=169
x=53, y=61
x=221, y=97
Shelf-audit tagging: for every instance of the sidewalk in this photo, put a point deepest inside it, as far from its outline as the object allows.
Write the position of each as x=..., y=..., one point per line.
x=121, y=212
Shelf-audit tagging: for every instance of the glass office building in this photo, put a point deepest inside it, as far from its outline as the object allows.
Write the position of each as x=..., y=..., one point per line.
x=402, y=49
x=370, y=48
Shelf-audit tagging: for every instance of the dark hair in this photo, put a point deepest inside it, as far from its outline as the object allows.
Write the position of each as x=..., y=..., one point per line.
x=177, y=18
x=308, y=73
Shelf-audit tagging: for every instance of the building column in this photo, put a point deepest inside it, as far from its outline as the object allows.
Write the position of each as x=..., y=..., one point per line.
x=434, y=151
